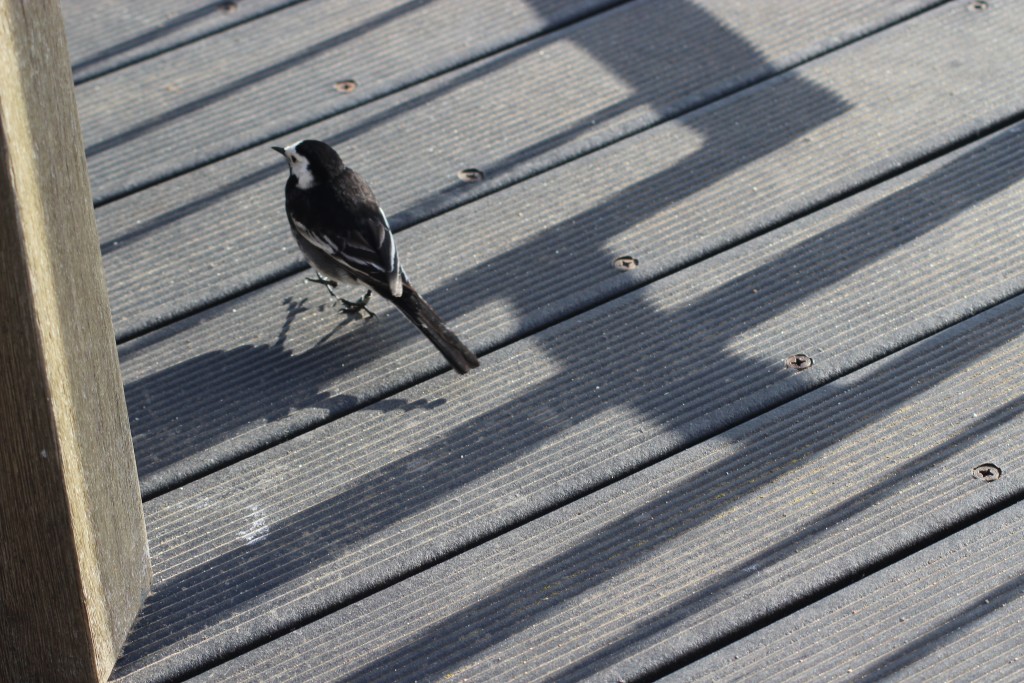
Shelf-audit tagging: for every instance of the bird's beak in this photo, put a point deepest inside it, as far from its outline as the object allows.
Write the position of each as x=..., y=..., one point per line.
x=279, y=149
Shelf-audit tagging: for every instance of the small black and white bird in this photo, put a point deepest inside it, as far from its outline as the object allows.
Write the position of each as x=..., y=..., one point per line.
x=345, y=236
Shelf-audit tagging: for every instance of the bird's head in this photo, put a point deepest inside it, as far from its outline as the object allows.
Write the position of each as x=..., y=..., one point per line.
x=311, y=162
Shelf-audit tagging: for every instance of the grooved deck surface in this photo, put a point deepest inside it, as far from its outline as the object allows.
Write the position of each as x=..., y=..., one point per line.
x=634, y=484
x=960, y=596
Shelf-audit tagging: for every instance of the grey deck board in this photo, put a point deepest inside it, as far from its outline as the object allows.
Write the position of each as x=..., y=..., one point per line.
x=205, y=236
x=633, y=484
x=251, y=373
x=246, y=553
x=952, y=612
x=104, y=35
x=266, y=77
x=625, y=581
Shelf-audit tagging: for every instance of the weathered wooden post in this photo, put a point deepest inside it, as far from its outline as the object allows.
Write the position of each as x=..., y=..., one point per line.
x=73, y=561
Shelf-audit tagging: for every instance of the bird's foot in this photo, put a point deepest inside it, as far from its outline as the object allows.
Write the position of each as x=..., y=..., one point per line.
x=326, y=282
x=357, y=306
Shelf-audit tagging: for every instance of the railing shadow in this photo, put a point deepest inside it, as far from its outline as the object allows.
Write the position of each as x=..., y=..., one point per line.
x=732, y=140
x=590, y=351
x=596, y=354
x=631, y=540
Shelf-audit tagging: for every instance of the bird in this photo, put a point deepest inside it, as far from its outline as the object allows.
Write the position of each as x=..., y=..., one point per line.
x=345, y=236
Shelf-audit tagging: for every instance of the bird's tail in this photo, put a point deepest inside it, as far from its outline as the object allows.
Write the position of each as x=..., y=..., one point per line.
x=417, y=310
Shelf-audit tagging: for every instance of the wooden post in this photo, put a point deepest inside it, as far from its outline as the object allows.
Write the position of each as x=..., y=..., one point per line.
x=74, y=567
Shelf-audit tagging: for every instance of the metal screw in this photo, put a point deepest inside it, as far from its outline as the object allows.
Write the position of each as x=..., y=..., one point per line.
x=977, y=5
x=228, y=7
x=471, y=175
x=799, y=361
x=345, y=86
x=986, y=472
x=625, y=263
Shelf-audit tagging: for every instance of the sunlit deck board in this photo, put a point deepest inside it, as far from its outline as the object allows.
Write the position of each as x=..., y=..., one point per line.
x=790, y=180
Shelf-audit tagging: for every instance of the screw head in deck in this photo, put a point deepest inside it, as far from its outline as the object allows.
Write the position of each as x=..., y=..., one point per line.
x=799, y=361
x=470, y=175
x=986, y=472
x=626, y=263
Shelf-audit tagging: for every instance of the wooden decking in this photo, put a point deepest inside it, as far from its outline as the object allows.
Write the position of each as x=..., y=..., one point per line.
x=636, y=483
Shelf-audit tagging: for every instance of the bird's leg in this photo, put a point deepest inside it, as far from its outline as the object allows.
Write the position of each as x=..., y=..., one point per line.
x=321, y=280
x=358, y=305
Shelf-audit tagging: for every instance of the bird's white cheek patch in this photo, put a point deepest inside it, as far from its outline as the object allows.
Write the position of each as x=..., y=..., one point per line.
x=299, y=166
x=300, y=170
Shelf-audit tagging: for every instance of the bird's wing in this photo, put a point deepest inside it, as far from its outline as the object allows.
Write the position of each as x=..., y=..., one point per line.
x=352, y=228
x=370, y=247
